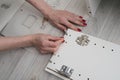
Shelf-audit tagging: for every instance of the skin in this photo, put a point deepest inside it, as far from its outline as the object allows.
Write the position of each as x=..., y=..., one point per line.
x=54, y=16
x=43, y=42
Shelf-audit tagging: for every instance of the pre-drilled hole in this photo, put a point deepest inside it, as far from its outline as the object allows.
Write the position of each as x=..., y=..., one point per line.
x=21, y=9
x=95, y=44
x=69, y=35
x=112, y=50
x=79, y=74
x=88, y=78
x=58, y=55
x=90, y=12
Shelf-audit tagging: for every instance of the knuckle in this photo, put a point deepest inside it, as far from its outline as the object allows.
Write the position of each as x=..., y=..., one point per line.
x=69, y=25
x=77, y=22
x=43, y=44
x=61, y=19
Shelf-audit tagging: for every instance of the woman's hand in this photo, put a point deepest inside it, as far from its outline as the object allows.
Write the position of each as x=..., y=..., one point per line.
x=64, y=19
x=60, y=18
x=46, y=43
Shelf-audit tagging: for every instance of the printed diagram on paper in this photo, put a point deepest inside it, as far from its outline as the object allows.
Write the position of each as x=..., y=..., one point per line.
x=83, y=57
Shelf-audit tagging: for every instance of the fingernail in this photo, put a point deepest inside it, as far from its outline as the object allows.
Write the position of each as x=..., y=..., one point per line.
x=63, y=41
x=83, y=20
x=84, y=24
x=79, y=30
x=80, y=17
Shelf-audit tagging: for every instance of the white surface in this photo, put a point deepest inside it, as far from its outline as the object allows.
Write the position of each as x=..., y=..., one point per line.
x=92, y=61
x=7, y=12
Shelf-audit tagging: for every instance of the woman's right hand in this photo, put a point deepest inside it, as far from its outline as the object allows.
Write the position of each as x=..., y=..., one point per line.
x=46, y=43
x=64, y=19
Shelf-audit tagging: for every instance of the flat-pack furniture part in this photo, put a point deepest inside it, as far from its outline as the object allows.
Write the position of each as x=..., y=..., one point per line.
x=28, y=20
x=84, y=57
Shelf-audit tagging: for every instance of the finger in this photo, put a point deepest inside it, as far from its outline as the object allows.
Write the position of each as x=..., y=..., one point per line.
x=59, y=42
x=52, y=44
x=75, y=21
x=49, y=49
x=77, y=17
x=78, y=21
x=40, y=50
x=71, y=26
x=43, y=52
x=56, y=43
x=83, y=21
x=53, y=41
x=54, y=38
x=62, y=27
x=80, y=18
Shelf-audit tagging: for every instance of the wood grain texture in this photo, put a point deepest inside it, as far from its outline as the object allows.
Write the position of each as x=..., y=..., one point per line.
x=29, y=64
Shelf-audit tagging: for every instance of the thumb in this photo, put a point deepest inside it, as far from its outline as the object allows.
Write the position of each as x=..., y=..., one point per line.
x=58, y=42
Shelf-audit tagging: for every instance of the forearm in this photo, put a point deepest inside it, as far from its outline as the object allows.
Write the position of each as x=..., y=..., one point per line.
x=41, y=5
x=7, y=43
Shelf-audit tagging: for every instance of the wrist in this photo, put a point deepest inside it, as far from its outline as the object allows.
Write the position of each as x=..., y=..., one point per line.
x=29, y=40
x=46, y=11
x=33, y=38
x=42, y=6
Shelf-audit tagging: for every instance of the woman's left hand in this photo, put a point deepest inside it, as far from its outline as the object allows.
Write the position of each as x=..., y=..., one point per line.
x=64, y=19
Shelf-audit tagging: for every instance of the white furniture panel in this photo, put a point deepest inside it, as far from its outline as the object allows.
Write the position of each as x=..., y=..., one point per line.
x=99, y=60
